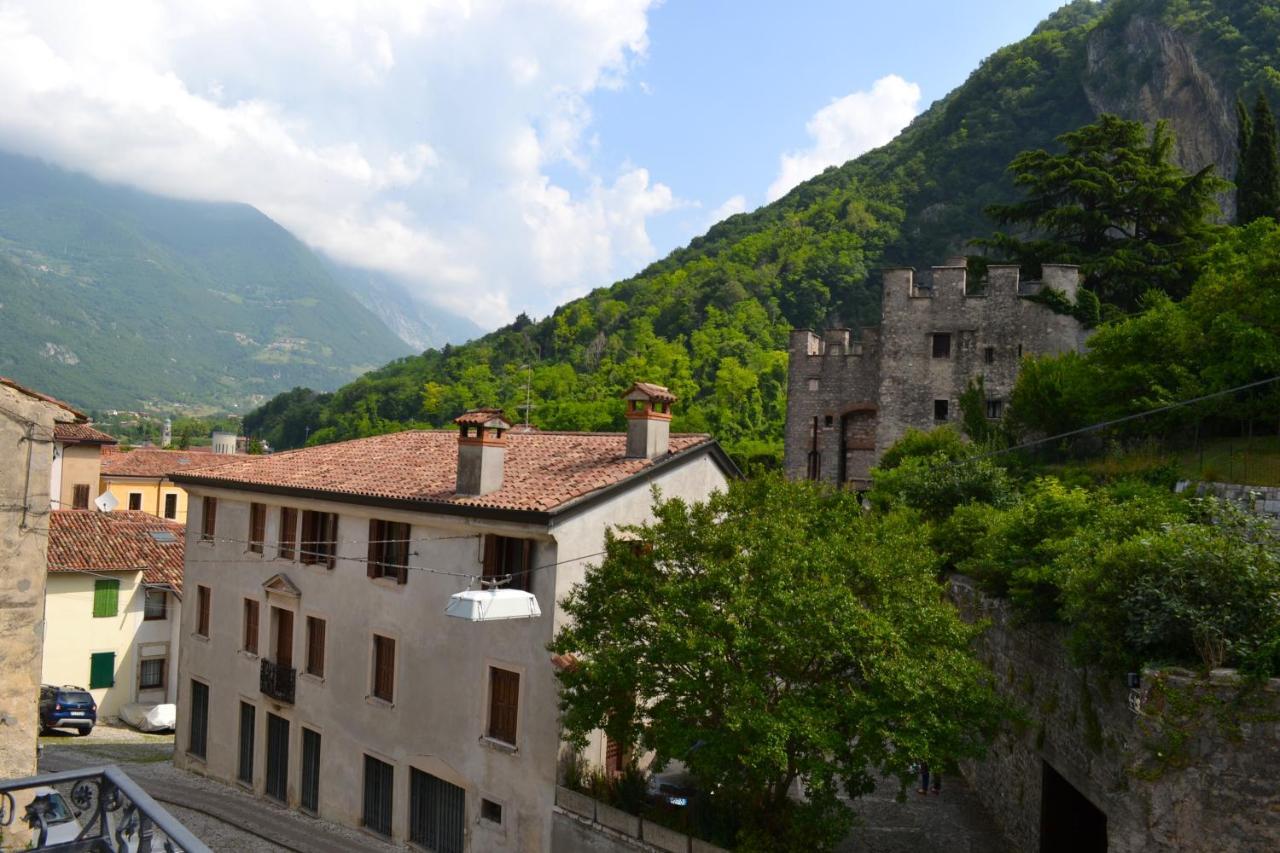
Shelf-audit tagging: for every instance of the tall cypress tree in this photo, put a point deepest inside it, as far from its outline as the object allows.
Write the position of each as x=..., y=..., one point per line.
x=1259, y=174
x=1244, y=134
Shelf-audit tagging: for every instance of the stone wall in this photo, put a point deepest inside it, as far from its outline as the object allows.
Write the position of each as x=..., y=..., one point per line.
x=1224, y=797
x=1263, y=500
x=581, y=824
x=26, y=457
x=851, y=395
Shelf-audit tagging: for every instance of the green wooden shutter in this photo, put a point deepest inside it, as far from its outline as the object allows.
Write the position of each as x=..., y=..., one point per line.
x=102, y=670
x=106, y=597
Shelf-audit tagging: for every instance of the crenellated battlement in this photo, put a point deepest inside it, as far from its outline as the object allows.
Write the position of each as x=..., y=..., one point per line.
x=832, y=342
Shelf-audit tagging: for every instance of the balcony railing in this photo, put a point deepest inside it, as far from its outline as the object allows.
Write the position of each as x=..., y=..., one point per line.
x=278, y=681
x=107, y=813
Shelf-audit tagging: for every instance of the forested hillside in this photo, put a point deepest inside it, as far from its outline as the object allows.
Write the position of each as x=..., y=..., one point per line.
x=112, y=298
x=711, y=319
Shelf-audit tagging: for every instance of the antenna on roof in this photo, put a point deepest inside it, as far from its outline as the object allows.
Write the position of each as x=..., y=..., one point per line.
x=528, y=394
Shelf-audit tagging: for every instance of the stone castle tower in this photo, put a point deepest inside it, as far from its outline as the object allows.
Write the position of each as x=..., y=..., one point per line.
x=848, y=400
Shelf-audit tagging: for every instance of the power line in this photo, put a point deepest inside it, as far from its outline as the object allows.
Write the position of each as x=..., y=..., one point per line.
x=1125, y=419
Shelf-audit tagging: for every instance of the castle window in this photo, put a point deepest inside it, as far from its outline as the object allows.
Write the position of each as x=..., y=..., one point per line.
x=813, y=385
x=1019, y=350
x=828, y=420
x=989, y=355
x=995, y=408
x=941, y=345
x=940, y=410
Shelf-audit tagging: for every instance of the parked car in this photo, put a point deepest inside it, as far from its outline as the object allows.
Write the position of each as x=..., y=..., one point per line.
x=58, y=817
x=67, y=707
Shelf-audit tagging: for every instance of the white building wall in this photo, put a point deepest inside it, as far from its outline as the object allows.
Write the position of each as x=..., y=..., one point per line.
x=438, y=719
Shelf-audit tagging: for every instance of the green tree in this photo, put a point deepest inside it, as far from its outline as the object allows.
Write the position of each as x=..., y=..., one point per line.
x=1113, y=203
x=775, y=633
x=1258, y=177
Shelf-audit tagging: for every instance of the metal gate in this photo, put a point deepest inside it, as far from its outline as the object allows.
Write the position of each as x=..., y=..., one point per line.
x=310, y=771
x=244, y=771
x=437, y=813
x=278, y=758
x=378, y=781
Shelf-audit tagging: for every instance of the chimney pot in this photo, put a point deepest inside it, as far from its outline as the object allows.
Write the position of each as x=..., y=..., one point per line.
x=482, y=451
x=648, y=420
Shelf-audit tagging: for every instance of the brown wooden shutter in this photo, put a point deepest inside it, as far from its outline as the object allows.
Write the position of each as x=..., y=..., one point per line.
x=504, y=704
x=208, y=523
x=331, y=538
x=525, y=580
x=288, y=530
x=372, y=569
x=257, y=526
x=384, y=667
x=490, y=555
x=315, y=646
x=284, y=637
x=202, y=611
x=80, y=496
x=251, y=626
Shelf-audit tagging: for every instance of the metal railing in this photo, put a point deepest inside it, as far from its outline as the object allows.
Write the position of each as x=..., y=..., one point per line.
x=108, y=813
x=278, y=681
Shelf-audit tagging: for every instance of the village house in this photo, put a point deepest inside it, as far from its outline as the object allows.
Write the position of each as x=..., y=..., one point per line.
x=142, y=478
x=28, y=422
x=113, y=606
x=77, y=464
x=318, y=666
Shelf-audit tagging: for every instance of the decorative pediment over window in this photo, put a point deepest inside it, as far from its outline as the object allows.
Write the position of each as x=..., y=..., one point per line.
x=281, y=585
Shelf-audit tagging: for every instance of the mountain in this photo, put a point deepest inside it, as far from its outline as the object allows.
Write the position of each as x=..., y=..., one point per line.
x=711, y=319
x=113, y=298
x=419, y=324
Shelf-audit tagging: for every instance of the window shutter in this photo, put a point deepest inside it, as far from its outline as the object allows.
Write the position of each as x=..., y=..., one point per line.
x=102, y=670
x=525, y=580
x=490, y=555
x=504, y=699
x=375, y=534
x=402, y=549
x=80, y=497
x=106, y=597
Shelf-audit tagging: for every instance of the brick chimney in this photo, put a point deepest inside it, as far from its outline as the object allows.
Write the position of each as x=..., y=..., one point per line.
x=482, y=451
x=648, y=420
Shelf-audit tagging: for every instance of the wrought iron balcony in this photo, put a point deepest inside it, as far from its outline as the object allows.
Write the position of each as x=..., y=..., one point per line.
x=107, y=813
x=278, y=681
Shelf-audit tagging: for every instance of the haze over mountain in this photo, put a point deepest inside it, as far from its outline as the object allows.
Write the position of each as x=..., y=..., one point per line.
x=712, y=319
x=113, y=298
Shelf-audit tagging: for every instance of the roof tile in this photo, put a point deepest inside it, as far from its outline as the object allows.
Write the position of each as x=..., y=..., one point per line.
x=153, y=462
x=543, y=470
x=85, y=539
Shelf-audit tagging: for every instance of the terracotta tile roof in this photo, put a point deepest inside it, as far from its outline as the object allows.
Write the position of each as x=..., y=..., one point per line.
x=653, y=392
x=543, y=470
x=153, y=462
x=480, y=417
x=80, y=434
x=82, y=539
x=30, y=392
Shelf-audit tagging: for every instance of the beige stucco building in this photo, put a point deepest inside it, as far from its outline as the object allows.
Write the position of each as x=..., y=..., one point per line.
x=113, y=606
x=317, y=665
x=77, y=465
x=27, y=423
x=141, y=479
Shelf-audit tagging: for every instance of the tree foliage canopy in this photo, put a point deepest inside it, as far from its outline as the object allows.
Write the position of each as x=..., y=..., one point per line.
x=775, y=633
x=1114, y=203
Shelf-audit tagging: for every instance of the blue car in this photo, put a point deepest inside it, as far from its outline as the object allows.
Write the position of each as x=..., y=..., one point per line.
x=67, y=707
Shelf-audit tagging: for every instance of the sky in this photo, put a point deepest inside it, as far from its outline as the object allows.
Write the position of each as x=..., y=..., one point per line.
x=497, y=157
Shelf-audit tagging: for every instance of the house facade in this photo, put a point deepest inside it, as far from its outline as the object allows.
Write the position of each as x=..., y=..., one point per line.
x=77, y=465
x=849, y=398
x=113, y=606
x=318, y=667
x=141, y=479
x=28, y=420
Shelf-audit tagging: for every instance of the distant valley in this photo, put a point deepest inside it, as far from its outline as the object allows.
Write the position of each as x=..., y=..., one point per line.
x=113, y=298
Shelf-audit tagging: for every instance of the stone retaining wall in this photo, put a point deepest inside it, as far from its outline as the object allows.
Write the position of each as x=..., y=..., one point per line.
x=581, y=824
x=1263, y=500
x=1112, y=745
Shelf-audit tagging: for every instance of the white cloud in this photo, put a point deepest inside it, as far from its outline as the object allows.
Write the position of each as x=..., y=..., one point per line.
x=847, y=127
x=415, y=137
x=733, y=204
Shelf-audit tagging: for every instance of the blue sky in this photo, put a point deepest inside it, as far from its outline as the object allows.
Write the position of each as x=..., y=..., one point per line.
x=729, y=86
x=496, y=156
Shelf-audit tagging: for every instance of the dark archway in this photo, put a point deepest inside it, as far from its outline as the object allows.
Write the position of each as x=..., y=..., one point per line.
x=1069, y=821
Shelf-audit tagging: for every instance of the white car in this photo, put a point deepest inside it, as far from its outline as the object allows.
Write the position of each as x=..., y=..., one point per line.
x=59, y=818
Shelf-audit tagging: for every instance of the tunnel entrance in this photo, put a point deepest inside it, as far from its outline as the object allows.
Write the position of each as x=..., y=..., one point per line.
x=1069, y=822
